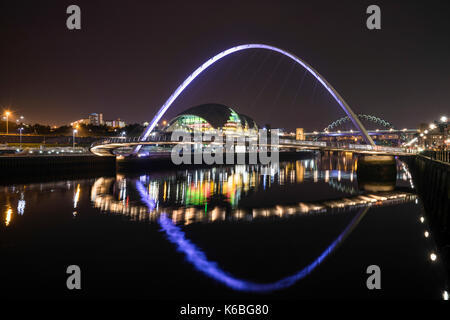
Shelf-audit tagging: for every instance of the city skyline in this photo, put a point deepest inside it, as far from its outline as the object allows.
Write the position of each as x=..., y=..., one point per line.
x=101, y=67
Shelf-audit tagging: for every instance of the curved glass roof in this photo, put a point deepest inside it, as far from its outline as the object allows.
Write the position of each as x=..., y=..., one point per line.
x=218, y=115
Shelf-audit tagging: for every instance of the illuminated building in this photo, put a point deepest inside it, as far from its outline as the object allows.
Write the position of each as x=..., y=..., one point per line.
x=115, y=123
x=96, y=119
x=299, y=134
x=212, y=118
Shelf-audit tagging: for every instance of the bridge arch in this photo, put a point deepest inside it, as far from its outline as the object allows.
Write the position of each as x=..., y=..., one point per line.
x=366, y=117
x=235, y=49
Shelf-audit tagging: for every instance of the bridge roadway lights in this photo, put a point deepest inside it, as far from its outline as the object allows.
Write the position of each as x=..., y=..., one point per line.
x=376, y=173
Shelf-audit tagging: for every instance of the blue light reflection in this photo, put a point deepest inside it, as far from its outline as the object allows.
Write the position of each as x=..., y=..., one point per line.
x=199, y=260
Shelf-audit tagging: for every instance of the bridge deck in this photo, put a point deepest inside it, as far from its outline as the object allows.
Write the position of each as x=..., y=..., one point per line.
x=106, y=147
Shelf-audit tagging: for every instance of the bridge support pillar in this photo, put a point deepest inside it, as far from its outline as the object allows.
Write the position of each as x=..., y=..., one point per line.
x=376, y=172
x=371, y=159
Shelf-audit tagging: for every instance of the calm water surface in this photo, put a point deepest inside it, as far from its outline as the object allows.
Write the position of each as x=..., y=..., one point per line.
x=309, y=230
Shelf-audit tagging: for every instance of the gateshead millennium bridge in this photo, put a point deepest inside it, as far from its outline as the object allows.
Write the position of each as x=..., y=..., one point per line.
x=107, y=147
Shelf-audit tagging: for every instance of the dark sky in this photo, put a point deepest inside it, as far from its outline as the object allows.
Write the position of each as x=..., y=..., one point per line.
x=130, y=55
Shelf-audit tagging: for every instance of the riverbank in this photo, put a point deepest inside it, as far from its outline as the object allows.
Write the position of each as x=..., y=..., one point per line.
x=164, y=161
x=432, y=181
x=25, y=167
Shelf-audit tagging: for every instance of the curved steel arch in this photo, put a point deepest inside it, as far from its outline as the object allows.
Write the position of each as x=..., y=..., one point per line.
x=229, y=51
x=367, y=117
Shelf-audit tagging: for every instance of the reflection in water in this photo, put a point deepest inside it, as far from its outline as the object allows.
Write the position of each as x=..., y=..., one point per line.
x=188, y=215
x=201, y=188
x=405, y=175
x=145, y=196
x=219, y=194
x=205, y=195
x=8, y=216
x=199, y=260
x=21, y=204
x=18, y=195
x=76, y=197
x=182, y=194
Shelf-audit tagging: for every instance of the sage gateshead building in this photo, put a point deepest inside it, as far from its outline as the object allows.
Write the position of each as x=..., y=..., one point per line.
x=212, y=118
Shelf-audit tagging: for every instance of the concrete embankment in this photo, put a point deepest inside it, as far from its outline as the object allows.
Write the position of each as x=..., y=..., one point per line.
x=164, y=161
x=376, y=170
x=45, y=140
x=432, y=180
x=18, y=168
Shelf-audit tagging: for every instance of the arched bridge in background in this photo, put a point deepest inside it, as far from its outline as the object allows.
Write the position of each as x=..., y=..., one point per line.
x=384, y=128
x=370, y=118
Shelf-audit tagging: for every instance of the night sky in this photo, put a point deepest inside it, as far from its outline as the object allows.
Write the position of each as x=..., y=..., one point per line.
x=130, y=55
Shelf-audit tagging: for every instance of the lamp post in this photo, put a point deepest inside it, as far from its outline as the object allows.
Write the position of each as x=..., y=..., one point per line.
x=73, y=139
x=443, y=125
x=20, y=134
x=7, y=113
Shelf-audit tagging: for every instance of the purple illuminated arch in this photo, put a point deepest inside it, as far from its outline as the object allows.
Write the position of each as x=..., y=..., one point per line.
x=227, y=52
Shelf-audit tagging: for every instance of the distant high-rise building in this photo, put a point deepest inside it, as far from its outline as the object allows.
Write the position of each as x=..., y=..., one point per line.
x=299, y=134
x=96, y=119
x=115, y=123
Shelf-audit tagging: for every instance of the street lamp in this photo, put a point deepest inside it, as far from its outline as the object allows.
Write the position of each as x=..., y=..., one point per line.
x=7, y=113
x=20, y=133
x=73, y=139
x=432, y=126
x=444, y=119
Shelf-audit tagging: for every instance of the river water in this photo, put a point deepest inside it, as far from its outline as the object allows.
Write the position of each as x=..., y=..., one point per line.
x=309, y=229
